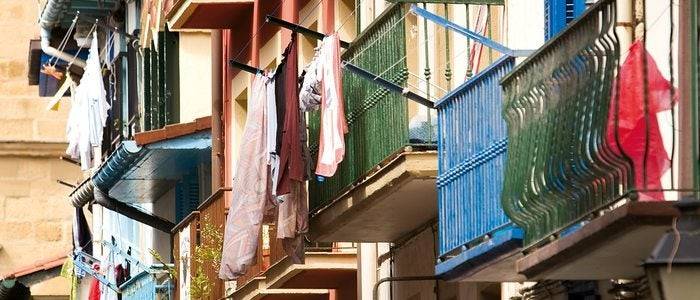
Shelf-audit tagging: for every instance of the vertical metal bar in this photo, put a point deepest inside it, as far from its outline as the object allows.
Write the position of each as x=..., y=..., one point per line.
x=448, y=70
x=468, y=51
x=426, y=70
x=490, y=33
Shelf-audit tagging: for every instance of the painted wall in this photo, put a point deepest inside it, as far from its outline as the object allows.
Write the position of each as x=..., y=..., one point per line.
x=195, y=75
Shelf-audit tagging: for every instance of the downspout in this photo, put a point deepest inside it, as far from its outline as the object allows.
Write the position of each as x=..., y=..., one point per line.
x=375, y=290
x=216, y=108
x=49, y=18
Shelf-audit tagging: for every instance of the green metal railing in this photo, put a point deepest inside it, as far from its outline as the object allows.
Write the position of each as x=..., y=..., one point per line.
x=377, y=118
x=560, y=167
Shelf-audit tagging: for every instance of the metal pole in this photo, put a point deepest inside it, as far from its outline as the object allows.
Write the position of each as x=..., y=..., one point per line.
x=216, y=109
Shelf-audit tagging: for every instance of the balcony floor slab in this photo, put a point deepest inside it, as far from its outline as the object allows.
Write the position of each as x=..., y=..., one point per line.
x=393, y=201
x=610, y=246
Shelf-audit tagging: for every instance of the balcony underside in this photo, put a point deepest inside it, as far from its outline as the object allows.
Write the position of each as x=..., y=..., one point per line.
x=387, y=205
x=321, y=273
x=610, y=246
x=490, y=261
x=210, y=14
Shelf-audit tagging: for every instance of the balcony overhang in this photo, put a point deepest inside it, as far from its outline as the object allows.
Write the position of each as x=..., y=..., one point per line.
x=209, y=14
x=613, y=245
x=142, y=170
x=490, y=261
x=392, y=201
x=321, y=272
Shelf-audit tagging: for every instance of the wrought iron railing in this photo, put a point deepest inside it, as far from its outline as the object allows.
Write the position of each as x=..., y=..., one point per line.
x=560, y=166
x=377, y=118
x=472, y=141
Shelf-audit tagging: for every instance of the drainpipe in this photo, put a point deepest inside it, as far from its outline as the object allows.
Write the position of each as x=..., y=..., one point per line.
x=49, y=17
x=216, y=109
x=375, y=291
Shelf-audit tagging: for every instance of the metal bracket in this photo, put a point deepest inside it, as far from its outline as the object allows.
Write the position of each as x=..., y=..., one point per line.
x=468, y=33
x=243, y=67
x=387, y=84
x=300, y=29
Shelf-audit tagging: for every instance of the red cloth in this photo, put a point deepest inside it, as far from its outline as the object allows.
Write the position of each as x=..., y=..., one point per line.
x=291, y=160
x=632, y=124
x=94, y=290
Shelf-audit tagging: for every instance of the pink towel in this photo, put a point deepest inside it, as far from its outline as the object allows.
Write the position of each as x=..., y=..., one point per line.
x=333, y=124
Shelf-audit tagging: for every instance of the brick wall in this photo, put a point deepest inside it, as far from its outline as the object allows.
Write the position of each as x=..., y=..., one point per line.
x=35, y=216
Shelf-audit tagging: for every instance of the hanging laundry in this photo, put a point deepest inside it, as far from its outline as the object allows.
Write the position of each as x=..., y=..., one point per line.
x=271, y=130
x=631, y=122
x=291, y=156
x=333, y=124
x=82, y=238
x=250, y=187
x=68, y=272
x=310, y=92
x=94, y=293
x=88, y=113
x=293, y=222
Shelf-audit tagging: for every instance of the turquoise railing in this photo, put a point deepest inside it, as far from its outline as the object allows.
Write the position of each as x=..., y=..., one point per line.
x=560, y=168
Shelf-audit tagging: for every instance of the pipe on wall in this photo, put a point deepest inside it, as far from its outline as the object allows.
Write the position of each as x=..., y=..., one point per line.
x=49, y=18
x=217, y=83
x=375, y=290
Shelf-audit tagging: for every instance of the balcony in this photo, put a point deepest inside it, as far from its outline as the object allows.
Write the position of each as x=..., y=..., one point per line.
x=327, y=270
x=569, y=182
x=477, y=242
x=273, y=274
x=387, y=163
x=209, y=14
x=188, y=236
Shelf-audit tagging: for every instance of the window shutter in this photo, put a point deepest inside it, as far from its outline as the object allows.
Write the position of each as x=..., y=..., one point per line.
x=558, y=13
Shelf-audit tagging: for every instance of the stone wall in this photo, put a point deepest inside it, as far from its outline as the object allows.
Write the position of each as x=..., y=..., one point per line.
x=35, y=216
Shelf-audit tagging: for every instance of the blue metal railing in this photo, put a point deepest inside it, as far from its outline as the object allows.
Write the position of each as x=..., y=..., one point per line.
x=472, y=142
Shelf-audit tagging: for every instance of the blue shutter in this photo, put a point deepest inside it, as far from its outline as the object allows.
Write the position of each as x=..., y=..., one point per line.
x=186, y=196
x=558, y=13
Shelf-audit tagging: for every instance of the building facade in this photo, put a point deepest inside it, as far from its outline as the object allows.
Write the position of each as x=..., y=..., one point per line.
x=494, y=149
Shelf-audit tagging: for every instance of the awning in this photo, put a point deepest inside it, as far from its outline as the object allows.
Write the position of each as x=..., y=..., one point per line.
x=142, y=174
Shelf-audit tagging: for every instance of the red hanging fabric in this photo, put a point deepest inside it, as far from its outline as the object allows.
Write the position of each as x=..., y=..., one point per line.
x=632, y=124
x=94, y=286
x=291, y=160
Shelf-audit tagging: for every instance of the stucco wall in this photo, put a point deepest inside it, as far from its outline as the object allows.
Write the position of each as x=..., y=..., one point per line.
x=35, y=216
x=195, y=75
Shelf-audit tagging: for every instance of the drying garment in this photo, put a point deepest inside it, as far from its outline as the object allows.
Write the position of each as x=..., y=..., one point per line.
x=250, y=187
x=291, y=155
x=95, y=293
x=271, y=130
x=293, y=222
x=333, y=124
x=89, y=109
x=82, y=238
x=310, y=92
x=68, y=272
x=632, y=126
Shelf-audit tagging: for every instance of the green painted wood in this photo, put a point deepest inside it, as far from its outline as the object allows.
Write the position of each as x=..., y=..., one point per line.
x=147, y=89
x=377, y=119
x=560, y=167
